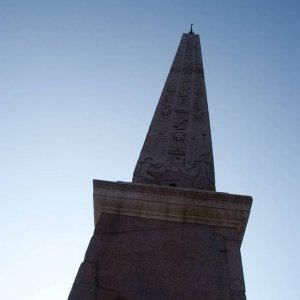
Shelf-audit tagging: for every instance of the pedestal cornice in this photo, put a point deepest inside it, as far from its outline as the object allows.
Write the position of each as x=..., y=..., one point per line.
x=172, y=204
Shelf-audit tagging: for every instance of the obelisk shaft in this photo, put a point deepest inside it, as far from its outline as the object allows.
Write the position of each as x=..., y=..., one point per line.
x=178, y=150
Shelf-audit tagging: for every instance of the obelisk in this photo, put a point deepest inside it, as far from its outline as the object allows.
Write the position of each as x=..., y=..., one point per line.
x=168, y=234
x=178, y=149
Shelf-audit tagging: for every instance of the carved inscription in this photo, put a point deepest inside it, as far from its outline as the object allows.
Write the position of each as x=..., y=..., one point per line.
x=168, y=98
x=177, y=150
x=164, y=115
x=177, y=143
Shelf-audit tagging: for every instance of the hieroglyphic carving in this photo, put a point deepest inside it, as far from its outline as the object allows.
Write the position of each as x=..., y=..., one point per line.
x=181, y=154
x=195, y=174
x=168, y=98
x=164, y=115
x=180, y=122
x=178, y=143
x=198, y=119
x=156, y=144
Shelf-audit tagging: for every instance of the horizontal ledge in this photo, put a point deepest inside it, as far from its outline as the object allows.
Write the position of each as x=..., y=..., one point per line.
x=172, y=204
x=160, y=189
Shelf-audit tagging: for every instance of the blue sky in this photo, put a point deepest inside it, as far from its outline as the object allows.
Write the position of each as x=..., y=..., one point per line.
x=79, y=84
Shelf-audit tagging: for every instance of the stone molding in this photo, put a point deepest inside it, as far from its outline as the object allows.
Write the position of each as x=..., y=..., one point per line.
x=172, y=204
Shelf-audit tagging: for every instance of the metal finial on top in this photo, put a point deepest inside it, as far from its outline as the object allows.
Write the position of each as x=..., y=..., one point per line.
x=191, y=31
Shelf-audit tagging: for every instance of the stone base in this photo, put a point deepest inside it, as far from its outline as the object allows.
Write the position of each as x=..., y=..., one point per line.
x=154, y=242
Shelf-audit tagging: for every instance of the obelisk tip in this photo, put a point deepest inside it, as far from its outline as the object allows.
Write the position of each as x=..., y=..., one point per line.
x=191, y=30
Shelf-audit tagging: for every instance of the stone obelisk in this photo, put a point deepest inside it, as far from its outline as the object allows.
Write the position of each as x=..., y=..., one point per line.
x=168, y=234
x=178, y=149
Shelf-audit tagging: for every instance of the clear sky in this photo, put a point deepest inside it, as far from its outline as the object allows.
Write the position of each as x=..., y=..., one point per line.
x=79, y=82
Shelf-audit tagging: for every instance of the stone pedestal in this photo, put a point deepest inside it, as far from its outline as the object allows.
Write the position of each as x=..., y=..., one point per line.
x=157, y=242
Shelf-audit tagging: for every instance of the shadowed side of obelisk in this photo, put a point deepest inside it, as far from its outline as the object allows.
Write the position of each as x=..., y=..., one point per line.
x=178, y=148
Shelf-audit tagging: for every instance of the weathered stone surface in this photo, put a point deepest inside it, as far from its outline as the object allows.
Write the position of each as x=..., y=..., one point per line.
x=178, y=149
x=135, y=258
x=168, y=235
x=172, y=204
x=155, y=242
